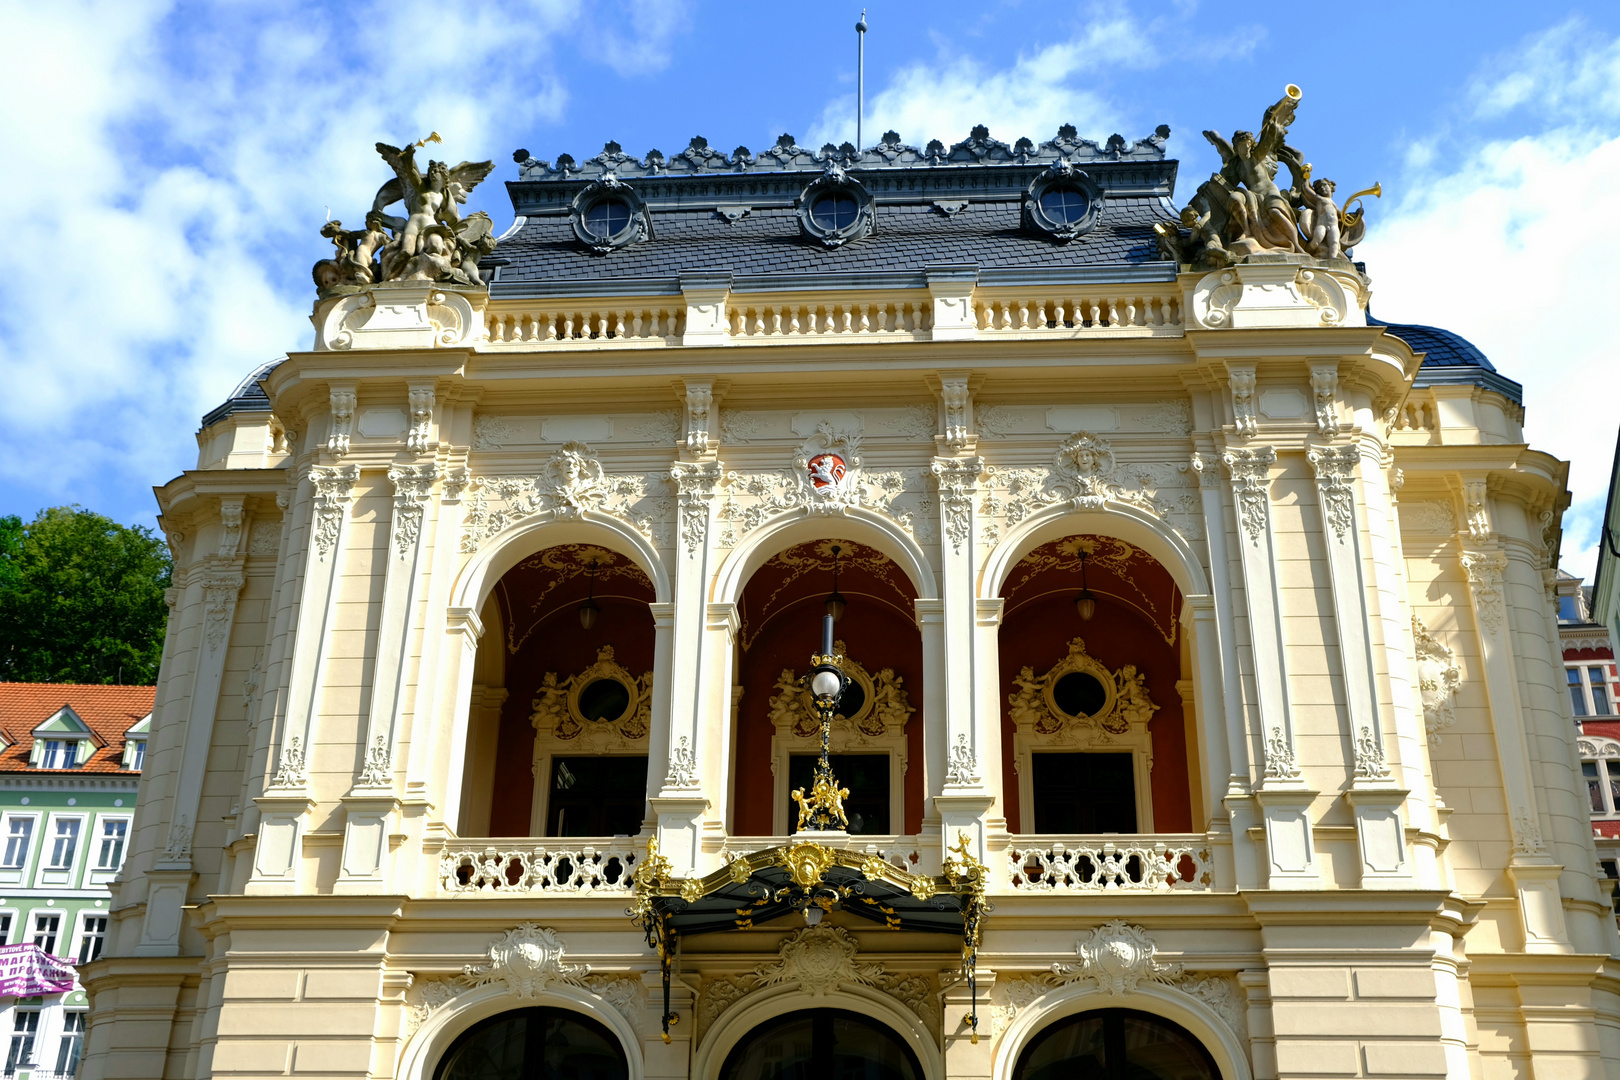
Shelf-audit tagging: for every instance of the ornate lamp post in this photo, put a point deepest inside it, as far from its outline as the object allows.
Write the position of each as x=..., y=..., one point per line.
x=823, y=810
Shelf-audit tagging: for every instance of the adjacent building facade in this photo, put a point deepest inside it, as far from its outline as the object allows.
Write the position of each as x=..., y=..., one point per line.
x=70, y=760
x=1204, y=706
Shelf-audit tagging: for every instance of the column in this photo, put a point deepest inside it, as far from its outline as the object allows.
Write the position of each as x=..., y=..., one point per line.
x=370, y=805
x=691, y=765
x=1284, y=799
x=1374, y=795
x=169, y=880
x=286, y=801
x=1532, y=870
x=971, y=732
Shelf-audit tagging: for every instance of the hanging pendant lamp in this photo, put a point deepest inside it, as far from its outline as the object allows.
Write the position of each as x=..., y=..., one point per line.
x=1085, y=605
x=589, y=610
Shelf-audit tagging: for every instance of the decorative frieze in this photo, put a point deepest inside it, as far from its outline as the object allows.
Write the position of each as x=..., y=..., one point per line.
x=1335, y=468
x=333, y=488
x=1250, y=471
x=1241, y=382
x=413, y=485
x=958, y=480
x=571, y=482
x=962, y=764
x=1369, y=753
x=342, y=401
x=419, y=438
x=378, y=769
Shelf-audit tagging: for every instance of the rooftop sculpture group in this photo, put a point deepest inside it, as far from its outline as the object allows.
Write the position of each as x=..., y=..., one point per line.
x=433, y=242
x=1240, y=211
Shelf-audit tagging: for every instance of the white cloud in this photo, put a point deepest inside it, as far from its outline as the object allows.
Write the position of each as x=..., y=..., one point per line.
x=1508, y=241
x=179, y=162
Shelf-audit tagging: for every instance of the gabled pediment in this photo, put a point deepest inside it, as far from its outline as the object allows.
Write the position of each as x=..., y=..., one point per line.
x=64, y=723
x=140, y=729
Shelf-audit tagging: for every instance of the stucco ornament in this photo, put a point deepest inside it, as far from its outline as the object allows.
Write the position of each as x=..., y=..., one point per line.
x=528, y=959
x=1118, y=957
x=569, y=483
x=1241, y=211
x=819, y=958
x=1439, y=679
x=433, y=242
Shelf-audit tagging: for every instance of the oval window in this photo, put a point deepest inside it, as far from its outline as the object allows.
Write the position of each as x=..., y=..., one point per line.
x=1079, y=693
x=834, y=212
x=1064, y=206
x=604, y=701
x=852, y=699
x=607, y=218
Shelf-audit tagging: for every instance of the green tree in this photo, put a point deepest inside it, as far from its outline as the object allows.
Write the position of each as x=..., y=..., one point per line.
x=81, y=599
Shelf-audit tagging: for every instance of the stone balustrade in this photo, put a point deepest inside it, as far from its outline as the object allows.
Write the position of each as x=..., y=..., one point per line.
x=570, y=865
x=1148, y=313
x=1101, y=864
x=528, y=326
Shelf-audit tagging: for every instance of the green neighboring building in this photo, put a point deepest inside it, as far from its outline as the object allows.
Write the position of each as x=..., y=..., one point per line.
x=70, y=760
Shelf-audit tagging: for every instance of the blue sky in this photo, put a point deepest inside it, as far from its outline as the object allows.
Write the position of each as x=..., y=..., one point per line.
x=174, y=163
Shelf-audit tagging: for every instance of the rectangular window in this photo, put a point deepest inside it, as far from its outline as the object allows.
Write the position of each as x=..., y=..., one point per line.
x=94, y=936
x=72, y=1044
x=65, y=845
x=24, y=1026
x=60, y=754
x=46, y=929
x=137, y=760
x=1577, y=694
x=866, y=776
x=5, y=928
x=596, y=796
x=17, y=838
x=1600, y=691
x=1594, y=786
x=1566, y=609
x=111, y=854
x=1084, y=793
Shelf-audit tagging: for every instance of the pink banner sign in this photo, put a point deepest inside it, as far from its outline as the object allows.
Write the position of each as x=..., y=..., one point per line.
x=27, y=970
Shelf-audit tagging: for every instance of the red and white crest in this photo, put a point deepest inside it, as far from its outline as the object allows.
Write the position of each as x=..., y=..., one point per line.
x=827, y=470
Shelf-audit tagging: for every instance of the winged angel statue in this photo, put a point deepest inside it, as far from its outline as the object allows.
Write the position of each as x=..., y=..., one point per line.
x=1241, y=211
x=432, y=242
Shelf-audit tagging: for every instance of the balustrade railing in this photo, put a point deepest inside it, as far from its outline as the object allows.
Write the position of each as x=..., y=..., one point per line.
x=1069, y=315
x=1100, y=864
x=641, y=325
x=764, y=322
x=563, y=866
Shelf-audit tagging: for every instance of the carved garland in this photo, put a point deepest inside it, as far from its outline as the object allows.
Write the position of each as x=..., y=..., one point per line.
x=571, y=482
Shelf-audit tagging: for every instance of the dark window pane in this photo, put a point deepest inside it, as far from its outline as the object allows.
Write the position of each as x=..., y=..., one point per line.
x=607, y=218
x=1115, y=1044
x=604, y=700
x=535, y=1044
x=1079, y=693
x=1064, y=205
x=596, y=796
x=833, y=211
x=821, y=1044
x=867, y=778
x=1084, y=793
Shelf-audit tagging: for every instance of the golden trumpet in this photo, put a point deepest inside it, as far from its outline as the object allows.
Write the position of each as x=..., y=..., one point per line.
x=431, y=138
x=1293, y=92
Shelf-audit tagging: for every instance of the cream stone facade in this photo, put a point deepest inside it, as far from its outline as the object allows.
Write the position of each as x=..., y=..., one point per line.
x=1351, y=837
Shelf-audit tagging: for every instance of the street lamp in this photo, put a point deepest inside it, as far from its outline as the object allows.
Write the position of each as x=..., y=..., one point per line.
x=823, y=809
x=835, y=599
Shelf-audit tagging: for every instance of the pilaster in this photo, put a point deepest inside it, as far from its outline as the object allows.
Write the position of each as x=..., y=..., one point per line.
x=705, y=296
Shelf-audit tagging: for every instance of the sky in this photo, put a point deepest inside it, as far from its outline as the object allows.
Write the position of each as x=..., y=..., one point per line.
x=175, y=162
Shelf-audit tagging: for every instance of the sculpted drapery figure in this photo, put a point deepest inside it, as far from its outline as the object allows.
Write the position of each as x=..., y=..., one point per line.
x=1241, y=211
x=432, y=242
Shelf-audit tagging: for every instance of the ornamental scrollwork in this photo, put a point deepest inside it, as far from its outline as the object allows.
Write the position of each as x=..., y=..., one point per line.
x=556, y=713
x=570, y=483
x=1484, y=569
x=333, y=489
x=1117, y=957
x=413, y=484
x=1250, y=471
x=1335, y=468
x=885, y=706
x=819, y=959
x=1439, y=680
x=1125, y=706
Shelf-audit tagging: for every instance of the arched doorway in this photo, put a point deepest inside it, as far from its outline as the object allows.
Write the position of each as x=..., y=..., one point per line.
x=1094, y=733
x=815, y=1043
x=877, y=735
x=1115, y=1044
x=559, y=747
x=535, y=1044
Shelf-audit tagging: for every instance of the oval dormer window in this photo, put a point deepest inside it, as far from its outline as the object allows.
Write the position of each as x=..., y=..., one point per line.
x=835, y=212
x=608, y=218
x=1065, y=205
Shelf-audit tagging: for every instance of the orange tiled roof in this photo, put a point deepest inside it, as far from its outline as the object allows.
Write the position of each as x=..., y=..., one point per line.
x=109, y=711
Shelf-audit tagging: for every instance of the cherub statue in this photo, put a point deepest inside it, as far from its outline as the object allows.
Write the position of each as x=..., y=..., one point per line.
x=1260, y=214
x=890, y=706
x=787, y=706
x=353, y=263
x=1135, y=707
x=1025, y=706
x=823, y=796
x=550, y=709
x=429, y=199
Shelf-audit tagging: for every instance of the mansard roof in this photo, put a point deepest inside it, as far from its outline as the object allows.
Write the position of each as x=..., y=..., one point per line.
x=248, y=396
x=714, y=213
x=1450, y=358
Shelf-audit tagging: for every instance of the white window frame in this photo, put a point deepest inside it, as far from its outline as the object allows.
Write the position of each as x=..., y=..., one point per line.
x=1581, y=667
x=19, y=873
x=81, y=931
x=135, y=754
x=61, y=1034
x=1604, y=755
x=72, y=753
x=16, y=920
x=32, y=1056
x=46, y=874
x=34, y=918
x=99, y=838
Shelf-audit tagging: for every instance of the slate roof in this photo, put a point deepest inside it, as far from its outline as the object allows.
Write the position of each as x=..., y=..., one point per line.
x=108, y=711
x=1450, y=358
x=767, y=242
x=248, y=396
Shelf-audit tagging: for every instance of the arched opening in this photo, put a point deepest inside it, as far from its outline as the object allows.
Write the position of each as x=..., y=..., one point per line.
x=559, y=746
x=821, y=1043
x=548, y=1043
x=1095, y=730
x=877, y=732
x=1115, y=1044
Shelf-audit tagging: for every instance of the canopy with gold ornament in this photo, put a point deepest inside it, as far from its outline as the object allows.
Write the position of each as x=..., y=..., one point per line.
x=810, y=878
